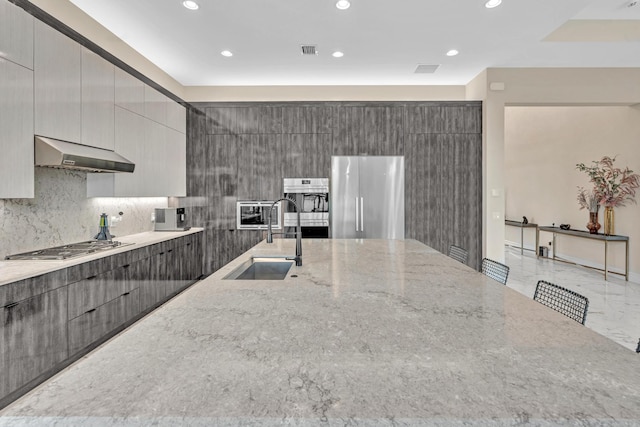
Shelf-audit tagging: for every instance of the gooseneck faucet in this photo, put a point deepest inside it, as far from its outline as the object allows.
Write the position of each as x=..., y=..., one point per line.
x=270, y=233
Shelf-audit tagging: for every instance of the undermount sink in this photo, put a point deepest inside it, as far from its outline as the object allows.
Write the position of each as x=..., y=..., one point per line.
x=261, y=268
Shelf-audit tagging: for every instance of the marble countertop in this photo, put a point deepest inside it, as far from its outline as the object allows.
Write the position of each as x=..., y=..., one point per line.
x=369, y=332
x=12, y=271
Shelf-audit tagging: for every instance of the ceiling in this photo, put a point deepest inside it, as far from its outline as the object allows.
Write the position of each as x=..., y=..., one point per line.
x=383, y=40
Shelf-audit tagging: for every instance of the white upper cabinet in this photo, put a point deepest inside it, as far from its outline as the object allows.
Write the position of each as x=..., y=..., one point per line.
x=16, y=35
x=129, y=142
x=98, y=86
x=129, y=92
x=155, y=105
x=176, y=116
x=176, y=163
x=158, y=152
x=16, y=131
x=58, y=88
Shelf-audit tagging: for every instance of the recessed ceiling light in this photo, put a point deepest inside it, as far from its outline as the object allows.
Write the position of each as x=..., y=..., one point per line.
x=492, y=3
x=226, y=53
x=343, y=4
x=337, y=54
x=190, y=4
x=452, y=52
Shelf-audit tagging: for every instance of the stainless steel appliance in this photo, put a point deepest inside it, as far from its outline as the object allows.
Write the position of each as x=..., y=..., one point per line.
x=170, y=219
x=254, y=215
x=367, y=197
x=311, y=195
x=54, y=153
x=68, y=251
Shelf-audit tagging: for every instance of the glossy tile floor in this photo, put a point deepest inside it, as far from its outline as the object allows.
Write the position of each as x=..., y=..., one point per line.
x=614, y=305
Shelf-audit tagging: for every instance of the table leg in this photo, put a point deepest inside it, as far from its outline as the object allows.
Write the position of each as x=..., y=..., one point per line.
x=537, y=241
x=554, y=246
x=521, y=240
x=606, y=248
x=626, y=260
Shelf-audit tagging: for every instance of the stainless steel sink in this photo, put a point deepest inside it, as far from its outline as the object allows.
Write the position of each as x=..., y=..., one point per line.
x=261, y=268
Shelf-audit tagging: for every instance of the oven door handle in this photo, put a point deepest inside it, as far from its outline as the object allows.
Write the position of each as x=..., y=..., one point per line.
x=357, y=216
x=361, y=213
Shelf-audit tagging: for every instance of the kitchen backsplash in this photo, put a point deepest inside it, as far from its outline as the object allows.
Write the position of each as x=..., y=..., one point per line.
x=61, y=213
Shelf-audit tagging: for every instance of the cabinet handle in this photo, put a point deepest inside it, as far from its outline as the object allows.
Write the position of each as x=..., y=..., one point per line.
x=126, y=266
x=11, y=305
x=126, y=293
x=90, y=311
x=188, y=244
x=170, y=250
x=91, y=277
x=161, y=253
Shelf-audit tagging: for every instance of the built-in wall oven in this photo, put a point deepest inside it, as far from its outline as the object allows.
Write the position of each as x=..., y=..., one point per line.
x=312, y=196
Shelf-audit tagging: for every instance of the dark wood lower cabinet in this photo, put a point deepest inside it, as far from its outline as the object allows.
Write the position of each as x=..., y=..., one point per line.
x=50, y=320
x=34, y=338
x=98, y=322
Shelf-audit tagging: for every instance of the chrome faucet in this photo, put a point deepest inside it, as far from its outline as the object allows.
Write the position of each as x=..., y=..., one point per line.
x=270, y=233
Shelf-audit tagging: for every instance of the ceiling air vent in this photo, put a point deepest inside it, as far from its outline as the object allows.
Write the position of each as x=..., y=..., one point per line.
x=426, y=69
x=308, y=49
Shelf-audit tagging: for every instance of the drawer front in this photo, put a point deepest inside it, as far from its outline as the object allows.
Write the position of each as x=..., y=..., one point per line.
x=27, y=288
x=90, y=327
x=89, y=269
x=93, y=292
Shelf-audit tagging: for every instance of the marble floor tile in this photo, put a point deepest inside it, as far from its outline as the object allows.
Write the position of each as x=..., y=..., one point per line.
x=614, y=304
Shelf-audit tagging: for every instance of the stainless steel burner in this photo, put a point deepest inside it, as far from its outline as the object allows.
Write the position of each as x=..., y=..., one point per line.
x=68, y=251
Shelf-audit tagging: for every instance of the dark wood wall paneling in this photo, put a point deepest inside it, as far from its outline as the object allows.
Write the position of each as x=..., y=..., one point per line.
x=241, y=151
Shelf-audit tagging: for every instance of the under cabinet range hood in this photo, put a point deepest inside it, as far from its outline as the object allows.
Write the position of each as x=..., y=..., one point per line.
x=54, y=153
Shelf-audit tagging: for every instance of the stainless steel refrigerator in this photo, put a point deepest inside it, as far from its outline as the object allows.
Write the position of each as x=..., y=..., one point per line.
x=367, y=197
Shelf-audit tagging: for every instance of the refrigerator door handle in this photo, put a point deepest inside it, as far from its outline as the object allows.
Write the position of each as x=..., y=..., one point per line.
x=361, y=213
x=357, y=214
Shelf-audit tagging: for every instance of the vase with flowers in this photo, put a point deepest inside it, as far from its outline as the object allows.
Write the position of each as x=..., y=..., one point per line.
x=588, y=199
x=613, y=187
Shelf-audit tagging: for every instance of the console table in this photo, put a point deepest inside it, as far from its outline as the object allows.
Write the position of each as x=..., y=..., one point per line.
x=586, y=235
x=522, y=227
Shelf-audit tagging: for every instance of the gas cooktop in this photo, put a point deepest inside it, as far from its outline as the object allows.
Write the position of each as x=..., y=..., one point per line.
x=68, y=251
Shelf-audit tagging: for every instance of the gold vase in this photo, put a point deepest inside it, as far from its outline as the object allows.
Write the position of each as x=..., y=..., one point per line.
x=609, y=221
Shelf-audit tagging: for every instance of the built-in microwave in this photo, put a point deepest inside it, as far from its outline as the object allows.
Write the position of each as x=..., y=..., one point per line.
x=254, y=215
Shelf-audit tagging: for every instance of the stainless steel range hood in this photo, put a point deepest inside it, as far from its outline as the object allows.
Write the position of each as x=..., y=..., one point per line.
x=54, y=153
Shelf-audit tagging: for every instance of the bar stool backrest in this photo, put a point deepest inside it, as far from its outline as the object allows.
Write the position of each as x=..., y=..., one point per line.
x=497, y=271
x=458, y=253
x=570, y=303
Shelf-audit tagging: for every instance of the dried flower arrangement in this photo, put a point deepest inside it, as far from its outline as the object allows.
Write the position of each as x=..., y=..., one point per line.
x=613, y=186
x=588, y=200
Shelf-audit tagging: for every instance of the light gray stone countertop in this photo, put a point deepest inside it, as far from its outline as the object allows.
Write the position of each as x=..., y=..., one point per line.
x=12, y=271
x=370, y=332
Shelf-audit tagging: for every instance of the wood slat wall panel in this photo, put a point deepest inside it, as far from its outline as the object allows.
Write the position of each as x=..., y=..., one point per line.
x=306, y=155
x=222, y=180
x=251, y=147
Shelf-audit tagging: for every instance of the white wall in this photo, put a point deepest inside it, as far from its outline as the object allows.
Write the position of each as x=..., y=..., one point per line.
x=542, y=147
x=538, y=87
x=60, y=213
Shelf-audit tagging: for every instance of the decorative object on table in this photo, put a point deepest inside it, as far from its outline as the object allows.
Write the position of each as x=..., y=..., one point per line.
x=565, y=226
x=613, y=186
x=525, y=220
x=589, y=200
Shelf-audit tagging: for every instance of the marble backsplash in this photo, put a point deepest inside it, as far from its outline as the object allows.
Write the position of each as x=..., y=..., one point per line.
x=61, y=213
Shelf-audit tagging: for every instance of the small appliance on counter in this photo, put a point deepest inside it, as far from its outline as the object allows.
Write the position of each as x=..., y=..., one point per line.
x=170, y=219
x=103, y=233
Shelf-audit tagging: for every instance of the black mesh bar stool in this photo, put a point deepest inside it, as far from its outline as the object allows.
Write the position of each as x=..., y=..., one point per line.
x=565, y=301
x=495, y=270
x=458, y=253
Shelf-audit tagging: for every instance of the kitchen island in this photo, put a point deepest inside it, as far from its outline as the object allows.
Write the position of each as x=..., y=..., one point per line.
x=365, y=332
